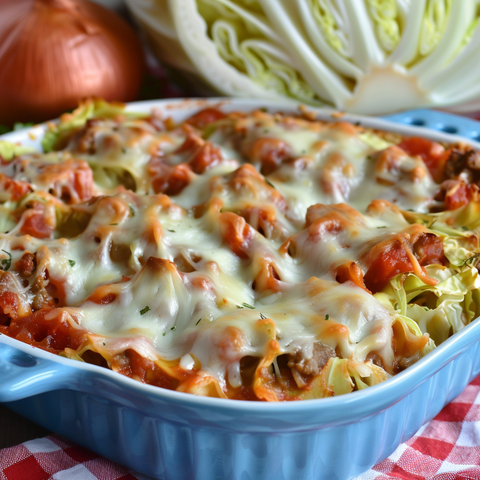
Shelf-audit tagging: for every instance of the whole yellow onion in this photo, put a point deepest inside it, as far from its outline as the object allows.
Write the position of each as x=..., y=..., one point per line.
x=55, y=52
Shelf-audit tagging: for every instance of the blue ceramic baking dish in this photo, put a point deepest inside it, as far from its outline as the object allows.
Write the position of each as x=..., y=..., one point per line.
x=175, y=436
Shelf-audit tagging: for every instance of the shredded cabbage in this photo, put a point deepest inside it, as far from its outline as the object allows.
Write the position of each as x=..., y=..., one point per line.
x=374, y=141
x=9, y=150
x=341, y=375
x=440, y=310
x=93, y=108
x=445, y=308
x=7, y=222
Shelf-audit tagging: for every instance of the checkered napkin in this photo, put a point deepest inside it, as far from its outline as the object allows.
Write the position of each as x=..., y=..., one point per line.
x=55, y=458
x=447, y=448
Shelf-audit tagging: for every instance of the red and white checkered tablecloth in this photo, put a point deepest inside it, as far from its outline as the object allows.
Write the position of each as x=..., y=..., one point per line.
x=56, y=458
x=447, y=448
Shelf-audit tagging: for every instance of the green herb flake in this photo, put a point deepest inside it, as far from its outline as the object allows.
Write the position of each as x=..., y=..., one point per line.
x=143, y=311
x=114, y=224
x=173, y=231
x=132, y=211
x=72, y=263
x=238, y=306
x=262, y=316
x=6, y=263
x=327, y=317
x=270, y=183
x=246, y=305
x=164, y=333
x=173, y=328
x=383, y=226
x=199, y=320
x=264, y=109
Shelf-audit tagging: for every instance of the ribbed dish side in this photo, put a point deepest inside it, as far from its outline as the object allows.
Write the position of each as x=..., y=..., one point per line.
x=164, y=449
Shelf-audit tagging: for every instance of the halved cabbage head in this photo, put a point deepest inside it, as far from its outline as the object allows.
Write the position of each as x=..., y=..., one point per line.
x=365, y=56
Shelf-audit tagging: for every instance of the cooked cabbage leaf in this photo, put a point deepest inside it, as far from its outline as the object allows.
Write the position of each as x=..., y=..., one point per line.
x=9, y=150
x=440, y=310
x=69, y=122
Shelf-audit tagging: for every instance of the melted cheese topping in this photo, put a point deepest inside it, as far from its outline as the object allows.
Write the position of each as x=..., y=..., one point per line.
x=201, y=248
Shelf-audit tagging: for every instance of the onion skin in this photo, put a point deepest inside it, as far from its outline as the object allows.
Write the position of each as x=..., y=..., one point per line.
x=55, y=52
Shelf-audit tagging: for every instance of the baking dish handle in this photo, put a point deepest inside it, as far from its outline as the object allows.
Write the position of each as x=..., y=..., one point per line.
x=22, y=375
x=440, y=121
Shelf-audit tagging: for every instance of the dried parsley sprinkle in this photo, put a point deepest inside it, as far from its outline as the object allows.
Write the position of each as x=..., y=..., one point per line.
x=173, y=231
x=173, y=328
x=199, y=320
x=114, y=224
x=246, y=305
x=132, y=211
x=262, y=316
x=72, y=263
x=327, y=317
x=143, y=311
x=6, y=263
x=383, y=226
x=270, y=183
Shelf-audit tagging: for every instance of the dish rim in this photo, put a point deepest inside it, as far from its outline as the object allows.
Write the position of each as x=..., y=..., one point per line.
x=177, y=105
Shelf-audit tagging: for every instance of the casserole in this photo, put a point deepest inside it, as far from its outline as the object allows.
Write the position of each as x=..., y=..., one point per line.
x=300, y=457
